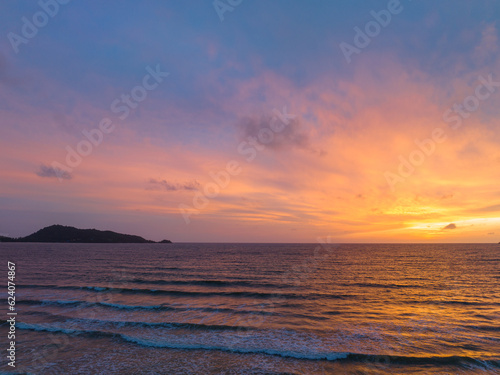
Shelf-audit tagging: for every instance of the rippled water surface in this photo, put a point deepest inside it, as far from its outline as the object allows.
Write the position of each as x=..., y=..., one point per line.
x=255, y=308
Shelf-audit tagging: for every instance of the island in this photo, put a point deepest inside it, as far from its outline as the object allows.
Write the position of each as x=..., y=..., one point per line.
x=66, y=234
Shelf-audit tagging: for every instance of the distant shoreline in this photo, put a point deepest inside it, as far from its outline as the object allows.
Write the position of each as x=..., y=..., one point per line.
x=67, y=234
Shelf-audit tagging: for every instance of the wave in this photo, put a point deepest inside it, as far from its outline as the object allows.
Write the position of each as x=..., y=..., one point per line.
x=164, y=307
x=452, y=302
x=236, y=294
x=117, y=306
x=304, y=355
x=215, y=283
x=188, y=326
x=382, y=286
x=485, y=328
x=168, y=325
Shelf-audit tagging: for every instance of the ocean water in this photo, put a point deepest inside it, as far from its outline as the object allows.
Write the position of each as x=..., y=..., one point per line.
x=254, y=308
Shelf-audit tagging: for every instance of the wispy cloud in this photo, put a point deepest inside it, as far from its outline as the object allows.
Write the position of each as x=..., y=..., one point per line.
x=450, y=226
x=51, y=172
x=292, y=136
x=488, y=45
x=493, y=208
x=154, y=184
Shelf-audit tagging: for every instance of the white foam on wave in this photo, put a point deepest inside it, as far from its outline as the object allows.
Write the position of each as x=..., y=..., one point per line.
x=290, y=347
x=192, y=342
x=330, y=356
x=131, y=307
x=45, y=327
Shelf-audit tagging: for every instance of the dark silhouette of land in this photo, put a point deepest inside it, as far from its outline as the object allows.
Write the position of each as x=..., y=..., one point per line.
x=61, y=233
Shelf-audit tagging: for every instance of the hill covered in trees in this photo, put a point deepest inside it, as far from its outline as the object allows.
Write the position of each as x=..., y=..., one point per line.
x=61, y=233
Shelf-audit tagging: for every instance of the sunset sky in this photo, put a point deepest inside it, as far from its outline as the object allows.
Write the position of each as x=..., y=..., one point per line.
x=346, y=123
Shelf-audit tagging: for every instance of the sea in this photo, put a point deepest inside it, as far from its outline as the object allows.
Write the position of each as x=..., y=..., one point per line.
x=193, y=308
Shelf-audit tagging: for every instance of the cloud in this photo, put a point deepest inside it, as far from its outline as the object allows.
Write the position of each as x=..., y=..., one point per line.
x=172, y=186
x=450, y=226
x=259, y=127
x=488, y=45
x=493, y=208
x=491, y=233
x=51, y=172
